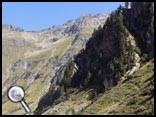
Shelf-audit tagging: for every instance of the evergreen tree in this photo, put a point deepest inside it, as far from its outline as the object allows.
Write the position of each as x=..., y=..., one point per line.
x=126, y=4
x=111, y=66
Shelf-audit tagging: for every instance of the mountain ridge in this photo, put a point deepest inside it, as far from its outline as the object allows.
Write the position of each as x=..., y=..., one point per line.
x=30, y=59
x=95, y=69
x=92, y=65
x=17, y=28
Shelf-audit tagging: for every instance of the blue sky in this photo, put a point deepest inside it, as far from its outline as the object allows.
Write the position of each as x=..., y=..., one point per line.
x=42, y=15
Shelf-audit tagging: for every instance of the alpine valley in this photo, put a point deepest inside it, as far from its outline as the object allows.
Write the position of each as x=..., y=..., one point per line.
x=94, y=65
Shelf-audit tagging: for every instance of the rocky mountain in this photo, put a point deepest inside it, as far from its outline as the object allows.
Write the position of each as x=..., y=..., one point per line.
x=102, y=64
x=32, y=59
x=7, y=27
x=108, y=75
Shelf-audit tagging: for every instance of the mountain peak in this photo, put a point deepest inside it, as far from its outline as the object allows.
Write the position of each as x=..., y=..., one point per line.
x=11, y=28
x=88, y=15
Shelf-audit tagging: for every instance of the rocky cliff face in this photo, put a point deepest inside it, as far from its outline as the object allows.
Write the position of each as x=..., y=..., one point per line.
x=32, y=59
x=113, y=53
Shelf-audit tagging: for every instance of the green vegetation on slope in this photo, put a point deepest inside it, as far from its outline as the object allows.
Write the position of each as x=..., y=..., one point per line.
x=112, y=51
x=135, y=95
x=140, y=22
x=96, y=65
x=11, y=51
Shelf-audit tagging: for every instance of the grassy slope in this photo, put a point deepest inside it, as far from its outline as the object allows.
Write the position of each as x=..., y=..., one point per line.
x=133, y=96
x=56, y=50
x=34, y=91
